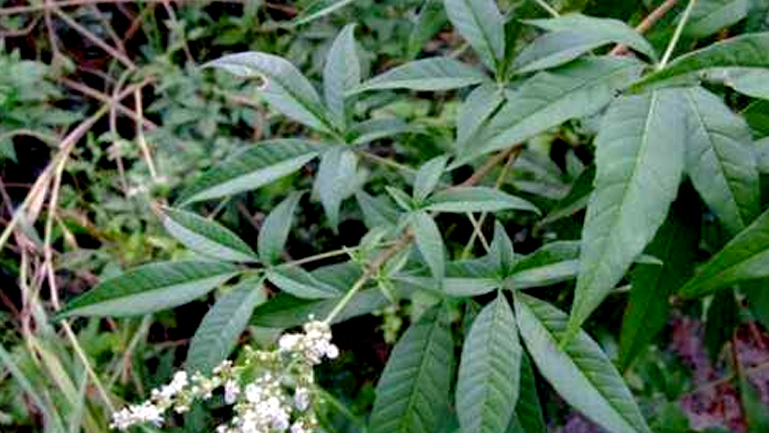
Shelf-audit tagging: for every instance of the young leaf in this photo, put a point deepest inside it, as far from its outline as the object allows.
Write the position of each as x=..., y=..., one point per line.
x=428, y=176
x=710, y=16
x=255, y=166
x=489, y=370
x=744, y=258
x=746, y=51
x=336, y=180
x=150, y=288
x=300, y=283
x=274, y=231
x=550, y=98
x=580, y=372
x=480, y=104
x=720, y=159
x=647, y=308
x=476, y=199
x=284, y=87
x=435, y=73
x=482, y=25
x=413, y=394
x=206, y=237
x=639, y=159
x=341, y=73
x=319, y=9
x=502, y=252
x=429, y=242
x=223, y=324
x=573, y=35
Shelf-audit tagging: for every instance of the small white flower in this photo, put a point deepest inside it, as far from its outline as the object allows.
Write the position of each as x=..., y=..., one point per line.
x=302, y=399
x=231, y=391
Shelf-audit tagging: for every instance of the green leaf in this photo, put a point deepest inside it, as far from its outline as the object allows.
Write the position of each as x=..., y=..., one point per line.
x=476, y=199
x=222, y=326
x=575, y=201
x=543, y=276
x=401, y=198
x=502, y=252
x=206, y=237
x=375, y=129
x=752, y=405
x=574, y=35
x=720, y=159
x=256, y=166
x=412, y=395
x=752, y=82
x=150, y=288
x=300, y=283
x=275, y=228
x=482, y=25
x=757, y=116
x=377, y=211
x=723, y=316
x=480, y=104
x=744, y=258
x=528, y=416
x=710, y=16
x=639, y=160
x=746, y=51
x=319, y=9
x=429, y=242
x=431, y=20
x=550, y=98
x=581, y=372
x=284, y=87
x=341, y=73
x=286, y=311
x=757, y=294
x=428, y=176
x=435, y=73
x=336, y=180
x=647, y=309
x=489, y=370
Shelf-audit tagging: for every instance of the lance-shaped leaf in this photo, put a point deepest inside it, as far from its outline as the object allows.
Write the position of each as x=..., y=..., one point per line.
x=428, y=176
x=648, y=305
x=341, y=72
x=639, y=160
x=435, y=73
x=573, y=35
x=528, y=411
x=336, y=180
x=476, y=199
x=412, y=395
x=710, y=16
x=375, y=129
x=223, y=324
x=206, y=237
x=502, y=252
x=377, y=211
x=744, y=258
x=752, y=82
x=150, y=288
x=581, y=372
x=489, y=370
x=746, y=51
x=482, y=25
x=284, y=87
x=256, y=166
x=274, y=231
x=480, y=104
x=550, y=98
x=720, y=159
x=319, y=9
x=300, y=283
x=429, y=242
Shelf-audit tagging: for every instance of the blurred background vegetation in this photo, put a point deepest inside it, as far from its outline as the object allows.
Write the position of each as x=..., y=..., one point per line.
x=105, y=113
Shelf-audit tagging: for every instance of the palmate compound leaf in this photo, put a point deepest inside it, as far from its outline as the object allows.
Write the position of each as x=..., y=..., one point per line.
x=150, y=288
x=489, y=370
x=550, y=98
x=482, y=25
x=744, y=258
x=223, y=324
x=207, y=237
x=580, y=372
x=412, y=395
x=284, y=87
x=639, y=159
x=720, y=159
x=745, y=51
x=573, y=35
x=248, y=170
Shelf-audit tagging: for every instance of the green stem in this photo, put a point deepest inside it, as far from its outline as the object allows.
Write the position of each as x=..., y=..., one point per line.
x=543, y=4
x=676, y=35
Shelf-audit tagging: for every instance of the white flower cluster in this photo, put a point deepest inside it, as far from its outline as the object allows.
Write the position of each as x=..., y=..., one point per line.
x=272, y=391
